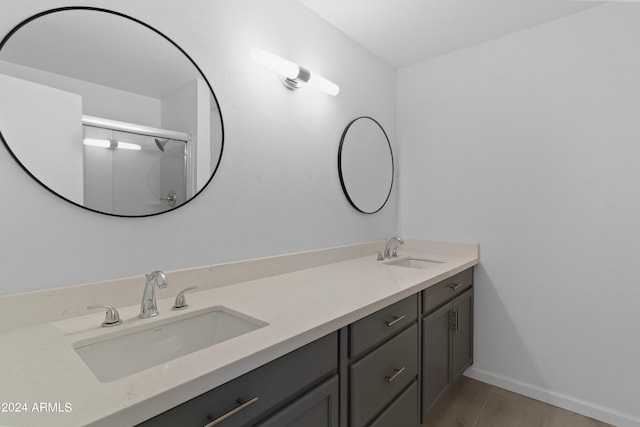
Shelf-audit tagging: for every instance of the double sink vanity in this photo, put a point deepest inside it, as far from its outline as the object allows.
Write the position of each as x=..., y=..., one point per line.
x=321, y=338
x=331, y=337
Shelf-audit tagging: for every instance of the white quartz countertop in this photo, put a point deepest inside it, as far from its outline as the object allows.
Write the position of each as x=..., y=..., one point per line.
x=39, y=365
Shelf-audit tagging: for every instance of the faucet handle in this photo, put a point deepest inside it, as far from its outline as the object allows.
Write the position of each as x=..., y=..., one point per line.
x=112, y=318
x=394, y=254
x=380, y=257
x=181, y=302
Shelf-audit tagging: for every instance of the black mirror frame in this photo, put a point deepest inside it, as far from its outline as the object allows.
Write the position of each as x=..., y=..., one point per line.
x=342, y=183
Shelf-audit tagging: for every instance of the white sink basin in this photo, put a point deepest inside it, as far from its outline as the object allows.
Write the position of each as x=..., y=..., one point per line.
x=129, y=351
x=414, y=263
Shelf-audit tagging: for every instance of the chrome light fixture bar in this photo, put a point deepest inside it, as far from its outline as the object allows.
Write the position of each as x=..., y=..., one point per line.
x=293, y=75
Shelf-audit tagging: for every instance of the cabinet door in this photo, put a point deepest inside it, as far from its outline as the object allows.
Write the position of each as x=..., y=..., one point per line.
x=462, y=333
x=435, y=354
x=318, y=408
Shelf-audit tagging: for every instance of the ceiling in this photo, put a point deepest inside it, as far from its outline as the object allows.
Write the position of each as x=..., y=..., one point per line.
x=101, y=48
x=405, y=32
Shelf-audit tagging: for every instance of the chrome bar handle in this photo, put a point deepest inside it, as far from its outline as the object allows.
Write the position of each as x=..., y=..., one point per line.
x=394, y=376
x=395, y=320
x=231, y=413
x=455, y=286
x=111, y=318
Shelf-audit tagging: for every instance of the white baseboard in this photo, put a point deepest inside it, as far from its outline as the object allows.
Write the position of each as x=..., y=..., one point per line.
x=569, y=403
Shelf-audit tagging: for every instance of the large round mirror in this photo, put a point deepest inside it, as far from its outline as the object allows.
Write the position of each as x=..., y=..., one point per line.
x=365, y=165
x=107, y=112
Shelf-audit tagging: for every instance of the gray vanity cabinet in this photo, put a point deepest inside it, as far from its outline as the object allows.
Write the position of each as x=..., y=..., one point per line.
x=380, y=371
x=300, y=387
x=402, y=412
x=462, y=333
x=383, y=368
x=435, y=354
x=447, y=334
x=317, y=408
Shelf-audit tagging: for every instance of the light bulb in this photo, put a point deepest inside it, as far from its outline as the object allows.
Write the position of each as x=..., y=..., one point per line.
x=128, y=146
x=107, y=143
x=275, y=63
x=93, y=142
x=320, y=83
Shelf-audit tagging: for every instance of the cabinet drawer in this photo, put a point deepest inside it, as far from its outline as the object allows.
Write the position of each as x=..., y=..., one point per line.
x=318, y=408
x=402, y=412
x=381, y=375
x=377, y=327
x=446, y=290
x=274, y=385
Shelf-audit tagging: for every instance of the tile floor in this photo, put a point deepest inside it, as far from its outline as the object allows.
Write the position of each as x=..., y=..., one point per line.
x=471, y=403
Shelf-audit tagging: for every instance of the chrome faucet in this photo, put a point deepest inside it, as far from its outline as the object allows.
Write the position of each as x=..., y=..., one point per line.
x=387, y=247
x=148, y=307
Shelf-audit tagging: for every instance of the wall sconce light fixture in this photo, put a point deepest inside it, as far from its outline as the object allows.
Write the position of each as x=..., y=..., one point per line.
x=111, y=144
x=293, y=75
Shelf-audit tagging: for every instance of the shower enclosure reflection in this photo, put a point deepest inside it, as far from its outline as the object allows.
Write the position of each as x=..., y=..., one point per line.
x=133, y=174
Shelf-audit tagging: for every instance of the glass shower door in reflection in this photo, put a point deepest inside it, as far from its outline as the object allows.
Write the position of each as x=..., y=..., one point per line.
x=127, y=173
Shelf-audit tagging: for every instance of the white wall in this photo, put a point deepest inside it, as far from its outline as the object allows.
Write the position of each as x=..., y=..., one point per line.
x=277, y=189
x=97, y=100
x=529, y=145
x=49, y=121
x=207, y=140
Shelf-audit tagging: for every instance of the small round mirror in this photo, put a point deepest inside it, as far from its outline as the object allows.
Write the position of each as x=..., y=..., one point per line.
x=365, y=165
x=107, y=112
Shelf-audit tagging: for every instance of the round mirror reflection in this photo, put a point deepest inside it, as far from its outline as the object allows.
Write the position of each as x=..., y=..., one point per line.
x=365, y=165
x=107, y=112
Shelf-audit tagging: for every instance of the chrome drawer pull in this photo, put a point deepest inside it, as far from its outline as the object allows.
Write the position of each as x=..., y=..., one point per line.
x=394, y=376
x=395, y=320
x=231, y=413
x=454, y=286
